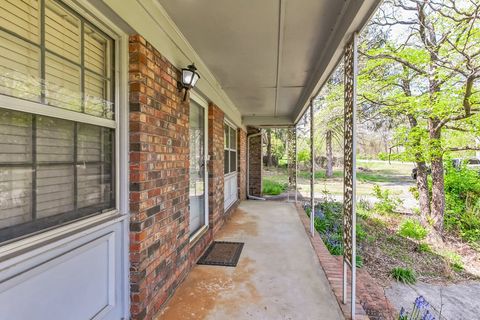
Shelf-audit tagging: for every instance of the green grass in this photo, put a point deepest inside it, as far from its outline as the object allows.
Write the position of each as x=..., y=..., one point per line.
x=273, y=188
x=454, y=260
x=424, y=247
x=373, y=177
x=320, y=175
x=405, y=275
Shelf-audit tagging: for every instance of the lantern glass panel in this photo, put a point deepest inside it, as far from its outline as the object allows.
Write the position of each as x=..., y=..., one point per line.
x=187, y=77
x=195, y=79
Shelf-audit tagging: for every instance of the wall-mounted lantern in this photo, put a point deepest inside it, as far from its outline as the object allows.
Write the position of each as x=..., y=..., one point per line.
x=190, y=77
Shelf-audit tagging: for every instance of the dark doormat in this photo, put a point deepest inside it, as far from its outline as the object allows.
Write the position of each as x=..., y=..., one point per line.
x=222, y=253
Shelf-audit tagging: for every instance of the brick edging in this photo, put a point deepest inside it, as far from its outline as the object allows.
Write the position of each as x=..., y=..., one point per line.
x=332, y=268
x=370, y=296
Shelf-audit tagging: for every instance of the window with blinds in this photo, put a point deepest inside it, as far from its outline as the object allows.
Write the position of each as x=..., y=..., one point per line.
x=54, y=170
x=57, y=58
x=230, y=149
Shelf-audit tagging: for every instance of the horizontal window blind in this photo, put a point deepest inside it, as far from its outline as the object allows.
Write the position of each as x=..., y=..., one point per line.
x=51, y=171
x=15, y=178
x=97, y=52
x=21, y=17
x=230, y=151
x=77, y=61
x=64, y=83
x=19, y=68
x=62, y=32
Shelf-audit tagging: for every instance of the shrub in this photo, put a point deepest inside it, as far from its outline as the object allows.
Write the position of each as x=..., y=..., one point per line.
x=414, y=192
x=405, y=275
x=412, y=229
x=361, y=233
x=303, y=155
x=424, y=247
x=364, y=208
x=273, y=188
x=462, y=200
x=358, y=261
x=328, y=223
x=386, y=202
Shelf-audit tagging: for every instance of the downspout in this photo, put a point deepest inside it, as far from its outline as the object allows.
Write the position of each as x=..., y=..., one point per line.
x=249, y=196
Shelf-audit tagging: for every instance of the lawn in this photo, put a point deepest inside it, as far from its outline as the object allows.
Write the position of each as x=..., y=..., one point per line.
x=395, y=176
x=393, y=246
x=388, y=240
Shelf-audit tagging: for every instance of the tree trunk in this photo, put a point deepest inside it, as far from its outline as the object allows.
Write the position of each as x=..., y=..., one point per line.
x=328, y=142
x=423, y=192
x=438, y=184
x=269, y=148
x=422, y=170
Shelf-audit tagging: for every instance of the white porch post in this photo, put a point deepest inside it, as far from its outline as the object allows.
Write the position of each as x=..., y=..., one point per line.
x=292, y=160
x=312, y=171
x=296, y=166
x=349, y=188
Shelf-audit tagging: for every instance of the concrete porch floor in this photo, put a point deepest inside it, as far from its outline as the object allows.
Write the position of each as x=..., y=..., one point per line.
x=278, y=275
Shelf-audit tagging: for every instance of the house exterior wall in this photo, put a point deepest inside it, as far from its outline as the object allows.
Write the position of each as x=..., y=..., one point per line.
x=161, y=253
x=159, y=180
x=215, y=166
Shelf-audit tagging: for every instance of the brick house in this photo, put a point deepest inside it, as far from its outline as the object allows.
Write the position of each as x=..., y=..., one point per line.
x=112, y=183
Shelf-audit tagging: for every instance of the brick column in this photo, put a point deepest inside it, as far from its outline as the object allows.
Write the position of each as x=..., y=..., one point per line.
x=159, y=180
x=255, y=163
x=215, y=166
x=242, y=164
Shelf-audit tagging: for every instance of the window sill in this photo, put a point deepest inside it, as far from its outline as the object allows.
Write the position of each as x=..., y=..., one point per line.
x=84, y=225
x=199, y=234
x=230, y=174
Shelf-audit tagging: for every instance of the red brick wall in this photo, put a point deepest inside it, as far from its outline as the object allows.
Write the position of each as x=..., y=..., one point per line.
x=255, y=163
x=242, y=164
x=215, y=166
x=160, y=252
x=159, y=150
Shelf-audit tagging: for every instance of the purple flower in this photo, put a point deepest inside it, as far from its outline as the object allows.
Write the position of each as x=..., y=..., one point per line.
x=421, y=303
x=420, y=311
x=428, y=316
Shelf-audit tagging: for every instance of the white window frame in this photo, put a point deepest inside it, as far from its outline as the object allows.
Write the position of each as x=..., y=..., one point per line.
x=234, y=127
x=233, y=175
x=197, y=98
x=17, y=246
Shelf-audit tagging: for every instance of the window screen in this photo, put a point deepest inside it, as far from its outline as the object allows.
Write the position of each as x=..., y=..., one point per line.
x=53, y=170
x=59, y=59
x=230, y=150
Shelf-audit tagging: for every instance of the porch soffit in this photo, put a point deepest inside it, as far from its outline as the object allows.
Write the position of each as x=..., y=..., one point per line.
x=271, y=56
x=260, y=61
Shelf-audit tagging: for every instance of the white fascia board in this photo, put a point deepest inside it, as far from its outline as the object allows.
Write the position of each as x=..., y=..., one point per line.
x=149, y=19
x=354, y=17
x=267, y=121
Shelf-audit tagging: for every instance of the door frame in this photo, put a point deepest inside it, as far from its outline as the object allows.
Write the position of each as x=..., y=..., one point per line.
x=196, y=98
x=230, y=175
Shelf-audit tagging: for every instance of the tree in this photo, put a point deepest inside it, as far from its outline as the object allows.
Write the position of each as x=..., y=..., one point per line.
x=427, y=77
x=269, y=147
x=329, y=116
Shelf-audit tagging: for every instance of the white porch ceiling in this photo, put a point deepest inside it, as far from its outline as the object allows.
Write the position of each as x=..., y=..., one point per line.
x=269, y=56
